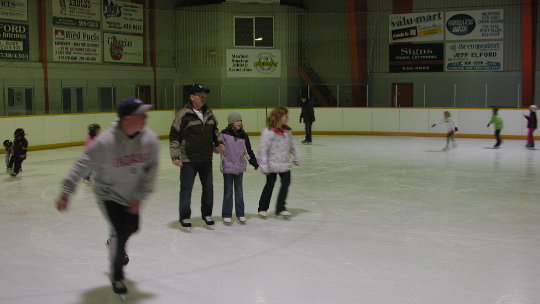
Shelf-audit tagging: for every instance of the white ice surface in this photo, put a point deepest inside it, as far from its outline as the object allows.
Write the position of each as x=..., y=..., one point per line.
x=376, y=220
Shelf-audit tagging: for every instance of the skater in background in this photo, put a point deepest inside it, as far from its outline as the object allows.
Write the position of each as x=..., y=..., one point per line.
x=233, y=165
x=532, y=124
x=124, y=159
x=498, y=123
x=20, y=146
x=193, y=138
x=308, y=116
x=8, y=145
x=451, y=128
x=93, y=131
x=276, y=147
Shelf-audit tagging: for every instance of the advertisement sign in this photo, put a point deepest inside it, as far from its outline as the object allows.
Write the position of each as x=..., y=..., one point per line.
x=78, y=46
x=474, y=56
x=118, y=48
x=14, y=10
x=475, y=25
x=79, y=13
x=426, y=57
x=14, y=41
x=253, y=63
x=123, y=16
x=415, y=27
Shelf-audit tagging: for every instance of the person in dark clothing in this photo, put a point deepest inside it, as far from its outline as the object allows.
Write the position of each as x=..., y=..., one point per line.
x=308, y=116
x=20, y=146
x=193, y=138
x=532, y=124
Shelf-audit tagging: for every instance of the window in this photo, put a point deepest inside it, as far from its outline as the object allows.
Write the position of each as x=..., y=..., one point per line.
x=254, y=31
x=20, y=101
x=107, y=96
x=72, y=100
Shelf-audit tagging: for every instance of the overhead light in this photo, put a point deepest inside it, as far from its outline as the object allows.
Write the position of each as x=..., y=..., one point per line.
x=259, y=39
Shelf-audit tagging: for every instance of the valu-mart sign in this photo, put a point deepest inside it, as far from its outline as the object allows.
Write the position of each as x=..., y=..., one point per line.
x=428, y=26
x=253, y=63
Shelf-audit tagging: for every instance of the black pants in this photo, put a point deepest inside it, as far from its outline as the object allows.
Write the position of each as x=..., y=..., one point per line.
x=123, y=225
x=308, y=130
x=15, y=162
x=266, y=195
x=187, y=179
x=498, y=138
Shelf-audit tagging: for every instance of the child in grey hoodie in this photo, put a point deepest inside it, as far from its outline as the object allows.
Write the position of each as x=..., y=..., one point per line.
x=124, y=159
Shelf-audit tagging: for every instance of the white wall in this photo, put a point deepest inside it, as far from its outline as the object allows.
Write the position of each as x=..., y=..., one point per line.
x=44, y=130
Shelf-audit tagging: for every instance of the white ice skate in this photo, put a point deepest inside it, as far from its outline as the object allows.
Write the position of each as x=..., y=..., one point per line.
x=263, y=214
x=242, y=220
x=227, y=221
x=285, y=214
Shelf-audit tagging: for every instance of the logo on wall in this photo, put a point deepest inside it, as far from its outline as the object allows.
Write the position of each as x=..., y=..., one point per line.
x=266, y=63
x=111, y=10
x=461, y=24
x=116, y=49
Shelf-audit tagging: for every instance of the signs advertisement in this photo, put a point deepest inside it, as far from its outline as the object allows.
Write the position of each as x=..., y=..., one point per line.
x=79, y=13
x=253, y=63
x=123, y=16
x=427, y=57
x=120, y=48
x=14, y=41
x=415, y=27
x=14, y=10
x=474, y=56
x=78, y=46
x=475, y=25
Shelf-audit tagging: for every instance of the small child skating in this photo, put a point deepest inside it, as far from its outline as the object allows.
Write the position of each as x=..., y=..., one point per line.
x=233, y=165
x=93, y=132
x=532, y=124
x=276, y=147
x=20, y=146
x=451, y=128
x=8, y=145
x=498, y=123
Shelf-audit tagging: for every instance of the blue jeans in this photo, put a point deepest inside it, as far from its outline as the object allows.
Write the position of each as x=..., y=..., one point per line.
x=230, y=180
x=188, y=172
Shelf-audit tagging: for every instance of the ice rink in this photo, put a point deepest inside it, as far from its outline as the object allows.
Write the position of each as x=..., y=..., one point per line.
x=376, y=220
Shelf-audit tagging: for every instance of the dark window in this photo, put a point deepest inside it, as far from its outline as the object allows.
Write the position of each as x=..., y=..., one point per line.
x=254, y=31
x=107, y=96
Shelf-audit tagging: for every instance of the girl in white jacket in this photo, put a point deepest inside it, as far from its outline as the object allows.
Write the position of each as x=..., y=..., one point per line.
x=451, y=129
x=276, y=147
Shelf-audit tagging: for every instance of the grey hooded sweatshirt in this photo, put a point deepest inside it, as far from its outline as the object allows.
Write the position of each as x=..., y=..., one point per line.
x=125, y=168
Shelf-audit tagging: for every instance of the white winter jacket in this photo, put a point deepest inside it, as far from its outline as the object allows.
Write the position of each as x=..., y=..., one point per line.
x=276, y=147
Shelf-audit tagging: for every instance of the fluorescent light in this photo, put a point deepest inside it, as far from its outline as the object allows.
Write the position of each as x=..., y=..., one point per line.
x=259, y=39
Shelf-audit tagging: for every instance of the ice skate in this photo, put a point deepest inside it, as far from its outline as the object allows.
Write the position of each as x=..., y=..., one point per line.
x=209, y=222
x=263, y=214
x=120, y=289
x=227, y=221
x=242, y=220
x=445, y=148
x=285, y=214
x=186, y=225
x=8, y=170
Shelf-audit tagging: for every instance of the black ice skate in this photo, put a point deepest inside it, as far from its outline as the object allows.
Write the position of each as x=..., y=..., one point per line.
x=186, y=225
x=208, y=221
x=119, y=288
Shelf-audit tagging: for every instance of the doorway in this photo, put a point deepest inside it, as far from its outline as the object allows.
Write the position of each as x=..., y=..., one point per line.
x=144, y=93
x=402, y=95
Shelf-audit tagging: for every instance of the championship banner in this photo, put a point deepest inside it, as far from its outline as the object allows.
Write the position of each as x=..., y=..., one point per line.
x=416, y=27
x=78, y=46
x=253, y=63
x=475, y=25
x=474, y=56
x=79, y=13
x=14, y=41
x=427, y=57
x=118, y=48
x=122, y=16
x=14, y=10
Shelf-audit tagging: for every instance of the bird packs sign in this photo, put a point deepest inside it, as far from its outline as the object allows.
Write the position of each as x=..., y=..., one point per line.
x=14, y=10
x=253, y=63
x=77, y=46
x=79, y=13
x=415, y=27
x=121, y=16
x=14, y=41
x=475, y=25
x=474, y=56
x=426, y=57
x=118, y=48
